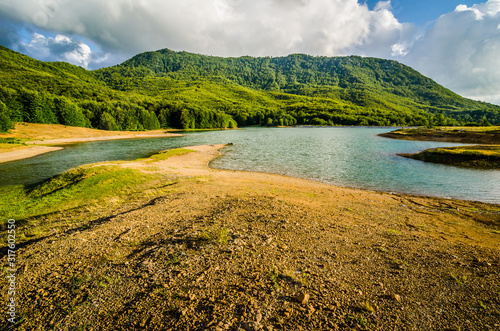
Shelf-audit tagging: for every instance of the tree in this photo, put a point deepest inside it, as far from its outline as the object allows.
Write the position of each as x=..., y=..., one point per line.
x=485, y=122
x=107, y=122
x=5, y=122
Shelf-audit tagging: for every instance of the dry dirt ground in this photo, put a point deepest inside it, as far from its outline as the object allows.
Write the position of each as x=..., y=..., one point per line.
x=227, y=250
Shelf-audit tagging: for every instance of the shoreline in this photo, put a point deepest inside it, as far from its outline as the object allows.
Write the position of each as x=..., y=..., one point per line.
x=26, y=153
x=263, y=251
x=39, y=147
x=70, y=141
x=489, y=136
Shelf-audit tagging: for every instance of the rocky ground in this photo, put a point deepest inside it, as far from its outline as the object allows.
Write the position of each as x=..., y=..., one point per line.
x=226, y=250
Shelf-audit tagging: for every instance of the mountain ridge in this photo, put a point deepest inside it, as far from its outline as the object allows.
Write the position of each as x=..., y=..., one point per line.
x=184, y=90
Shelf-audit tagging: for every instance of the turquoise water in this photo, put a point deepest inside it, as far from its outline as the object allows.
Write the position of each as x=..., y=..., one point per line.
x=352, y=157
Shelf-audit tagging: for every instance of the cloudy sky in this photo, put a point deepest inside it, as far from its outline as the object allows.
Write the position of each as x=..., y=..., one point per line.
x=457, y=43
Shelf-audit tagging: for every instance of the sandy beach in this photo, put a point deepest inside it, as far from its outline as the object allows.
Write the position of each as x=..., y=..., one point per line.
x=208, y=249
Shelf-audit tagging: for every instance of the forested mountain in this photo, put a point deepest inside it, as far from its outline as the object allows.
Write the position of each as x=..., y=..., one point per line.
x=185, y=90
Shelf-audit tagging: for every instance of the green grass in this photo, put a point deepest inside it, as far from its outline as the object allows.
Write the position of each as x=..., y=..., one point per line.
x=392, y=232
x=477, y=151
x=15, y=141
x=75, y=188
x=459, y=279
x=168, y=154
x=482, y=156
x=214, y=235
x=274, y=279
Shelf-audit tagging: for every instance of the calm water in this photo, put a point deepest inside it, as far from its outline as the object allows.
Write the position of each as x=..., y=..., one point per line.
x=353, y=157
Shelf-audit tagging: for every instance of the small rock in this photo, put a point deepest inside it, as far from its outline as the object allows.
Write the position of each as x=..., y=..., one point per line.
x=302, y=298
x=250, y=326
x=396, y=297
x=311, y=309
x=192, y=297
x=258, y=317
x=239, y=242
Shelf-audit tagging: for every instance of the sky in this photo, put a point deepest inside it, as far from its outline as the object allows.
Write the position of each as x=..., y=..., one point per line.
x=456, y=43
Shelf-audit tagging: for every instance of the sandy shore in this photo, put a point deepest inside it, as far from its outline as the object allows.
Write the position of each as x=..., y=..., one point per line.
x=54, y=134
x=211, y=249
x=66, y=141
x=24, y=153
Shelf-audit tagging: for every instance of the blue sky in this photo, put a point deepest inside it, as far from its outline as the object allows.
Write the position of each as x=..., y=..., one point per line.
x=421, y=12
x=456, y=43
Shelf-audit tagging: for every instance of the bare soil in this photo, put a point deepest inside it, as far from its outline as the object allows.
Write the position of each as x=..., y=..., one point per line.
x=229, y=250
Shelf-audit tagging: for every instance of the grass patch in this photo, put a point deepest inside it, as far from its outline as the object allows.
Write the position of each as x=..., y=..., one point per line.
x=477, y=151
x=459, y=279
x=214, y=235
x=76, y=281
x=383, y=249
x=274, y=278
x=366, y=306
x=393, y=232
x=11, y=141
x=359, y=319
x=10, y=144
x=78, y=187
x=170, y=153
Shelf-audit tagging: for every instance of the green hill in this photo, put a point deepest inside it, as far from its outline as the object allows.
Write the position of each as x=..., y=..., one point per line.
x=184, y=90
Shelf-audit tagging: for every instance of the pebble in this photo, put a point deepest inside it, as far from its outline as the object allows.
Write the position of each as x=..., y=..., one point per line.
x=396, y=297
x=302, y=298
x=239, y=242
x=258, y=317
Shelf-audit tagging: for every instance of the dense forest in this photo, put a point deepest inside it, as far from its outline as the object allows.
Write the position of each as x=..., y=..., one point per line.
x=167, y=89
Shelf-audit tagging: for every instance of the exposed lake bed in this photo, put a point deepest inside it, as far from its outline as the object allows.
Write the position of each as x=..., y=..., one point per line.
x=191, y=247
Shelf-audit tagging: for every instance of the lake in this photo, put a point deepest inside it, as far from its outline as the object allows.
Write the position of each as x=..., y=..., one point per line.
x=344, y=156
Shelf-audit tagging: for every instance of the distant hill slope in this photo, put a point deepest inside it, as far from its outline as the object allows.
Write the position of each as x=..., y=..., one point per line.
x=185, y=90
x=361, y=84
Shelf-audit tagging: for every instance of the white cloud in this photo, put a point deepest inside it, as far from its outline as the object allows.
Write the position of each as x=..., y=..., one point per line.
x=461, y=51
x=383, y=5
x=218, y=27
x=60, y=48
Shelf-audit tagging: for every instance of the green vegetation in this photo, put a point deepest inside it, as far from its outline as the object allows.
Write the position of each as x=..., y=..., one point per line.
x=7, y=144
x=173, y=152
x=167, y=89
x=449, y=131
x=75, y=188
x=464, y=156
x=213, y=235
